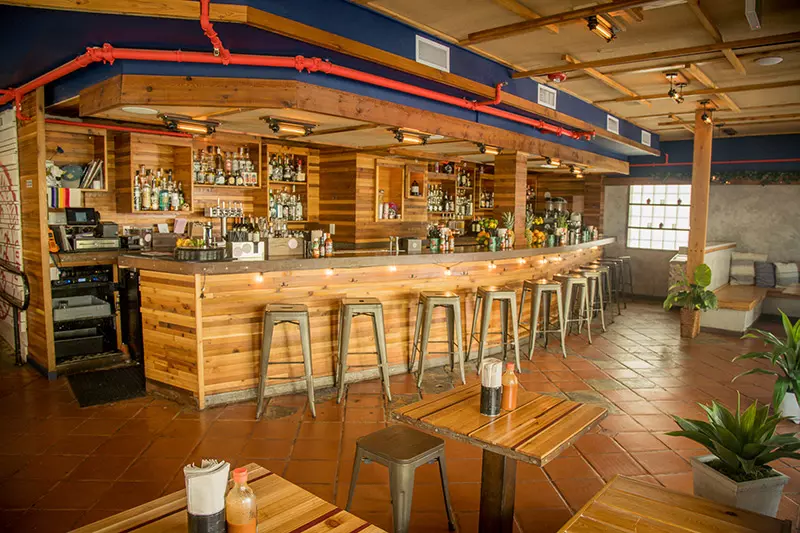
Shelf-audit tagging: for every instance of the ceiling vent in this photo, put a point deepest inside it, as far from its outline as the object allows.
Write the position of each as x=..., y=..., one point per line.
x=433, y=54
x=612, y=124
x=646, y=138
x=547, y=96
x=752, y=11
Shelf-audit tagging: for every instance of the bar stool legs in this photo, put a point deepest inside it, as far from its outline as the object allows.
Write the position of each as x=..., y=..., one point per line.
x=350, y=308
x=542, y=292
x=280, y=314
x=508, y=305
x=428, y=301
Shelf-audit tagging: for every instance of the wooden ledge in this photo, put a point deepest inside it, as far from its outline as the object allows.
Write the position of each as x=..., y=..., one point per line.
x=740, y=297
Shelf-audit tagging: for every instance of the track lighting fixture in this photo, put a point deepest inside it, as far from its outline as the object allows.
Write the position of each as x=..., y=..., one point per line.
x=706, y=117
x=489, y=150
x=576, y=171
x=551, y=163
x=675, y=89
x=600, y=25
x=409, y=137
x=288, y=127
x=187, y=124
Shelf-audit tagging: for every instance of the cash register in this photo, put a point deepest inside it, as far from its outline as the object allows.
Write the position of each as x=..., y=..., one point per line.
x=82, y=231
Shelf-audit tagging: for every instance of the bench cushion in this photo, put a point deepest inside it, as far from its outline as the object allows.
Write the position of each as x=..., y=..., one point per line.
x=743, y=270
x=765, y=274
x=785, y=274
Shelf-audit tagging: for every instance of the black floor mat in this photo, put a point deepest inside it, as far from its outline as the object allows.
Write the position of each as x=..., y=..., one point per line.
x=107, y=386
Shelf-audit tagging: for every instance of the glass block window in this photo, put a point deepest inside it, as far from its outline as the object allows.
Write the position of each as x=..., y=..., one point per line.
x=658, y=216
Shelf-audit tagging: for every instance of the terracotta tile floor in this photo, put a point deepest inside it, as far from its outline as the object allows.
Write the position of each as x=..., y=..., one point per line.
x=62, y=466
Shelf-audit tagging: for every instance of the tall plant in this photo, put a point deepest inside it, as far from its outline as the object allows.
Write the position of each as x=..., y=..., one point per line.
x=693, y=295
x=785, y=355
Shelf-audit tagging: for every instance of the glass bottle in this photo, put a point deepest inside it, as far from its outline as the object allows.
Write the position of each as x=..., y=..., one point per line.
x=137, y=193
x=510, y=388
x=328, y=246
x=241, y=512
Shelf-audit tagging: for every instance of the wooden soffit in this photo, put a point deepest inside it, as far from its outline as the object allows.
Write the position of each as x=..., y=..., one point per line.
x=241, y=14
x=153, y=91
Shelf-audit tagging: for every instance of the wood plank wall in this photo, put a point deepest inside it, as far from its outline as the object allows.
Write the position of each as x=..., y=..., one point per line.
x=594, y=200
x=590, y=187
x=35, y=257
x=510, y=180
x=232, y=308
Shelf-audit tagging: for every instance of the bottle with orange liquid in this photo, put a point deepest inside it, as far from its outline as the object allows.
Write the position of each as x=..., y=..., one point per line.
x=240, y=505
x=510, y=388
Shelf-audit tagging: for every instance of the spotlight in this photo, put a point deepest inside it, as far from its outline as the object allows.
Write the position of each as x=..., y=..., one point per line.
x=287, y=127
x=705, y=117
x=187, y=124
x=675, y=89
x=491, y=150
x=551, y=163
x=407, y=137
x=599, y=25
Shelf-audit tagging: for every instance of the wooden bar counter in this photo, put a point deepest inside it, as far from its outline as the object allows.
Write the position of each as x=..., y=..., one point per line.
x=202, y=322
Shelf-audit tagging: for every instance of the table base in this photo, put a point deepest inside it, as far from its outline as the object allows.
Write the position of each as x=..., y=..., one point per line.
x=498, y=484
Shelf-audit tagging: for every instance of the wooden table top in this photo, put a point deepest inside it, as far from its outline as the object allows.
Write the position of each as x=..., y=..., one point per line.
x=537, y=431
x=282, y=508
x=629, y=505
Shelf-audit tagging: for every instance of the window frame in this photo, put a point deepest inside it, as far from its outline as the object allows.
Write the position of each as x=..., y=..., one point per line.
x=679, y=205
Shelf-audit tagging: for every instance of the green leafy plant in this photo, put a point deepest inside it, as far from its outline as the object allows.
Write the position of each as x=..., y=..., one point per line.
x=693, y=295
x=744, y=443
x=785, y=355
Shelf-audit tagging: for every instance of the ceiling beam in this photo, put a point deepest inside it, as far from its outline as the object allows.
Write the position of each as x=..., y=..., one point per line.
x=343, y=129
x=699, y=92
x=663, y=54
x=523, y=11
x=518, y=28
x=695, y=72
x=743, y=110
x=712, y=29
x=744, y=121
x=605, y=79
x=678, y=120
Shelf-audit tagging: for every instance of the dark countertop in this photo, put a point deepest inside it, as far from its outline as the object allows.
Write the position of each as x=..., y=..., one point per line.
x=164, y=262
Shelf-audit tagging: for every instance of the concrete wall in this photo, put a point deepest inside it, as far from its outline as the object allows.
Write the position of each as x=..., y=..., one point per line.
x=758, y=219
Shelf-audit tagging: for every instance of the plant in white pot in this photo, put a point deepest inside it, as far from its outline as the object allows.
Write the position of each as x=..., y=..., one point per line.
x=692, y=298
x=742, y=444
x=785, y=356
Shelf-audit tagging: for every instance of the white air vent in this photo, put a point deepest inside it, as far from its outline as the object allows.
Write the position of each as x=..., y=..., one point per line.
x=646, y=138
x=433, y=54
x=612, y=124
x=547, y=96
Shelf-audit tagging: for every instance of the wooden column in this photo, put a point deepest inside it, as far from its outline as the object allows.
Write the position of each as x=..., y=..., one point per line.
x=594, y=193
x=701, y=183
x=510, y=181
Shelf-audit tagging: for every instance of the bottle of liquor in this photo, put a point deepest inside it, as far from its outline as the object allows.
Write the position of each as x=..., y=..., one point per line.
x=154, y=195
x=328, y=245
x=414, y=188
x=510, y=388
x=175, y=200
x=181, y=197
x=241, y=512
x=137, y=193
x=164, y=197
x=301, y=174
x=145, y=202
x=322, y=245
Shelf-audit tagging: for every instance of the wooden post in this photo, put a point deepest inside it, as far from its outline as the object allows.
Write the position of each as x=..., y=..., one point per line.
x=510, y=182
x=698, y=213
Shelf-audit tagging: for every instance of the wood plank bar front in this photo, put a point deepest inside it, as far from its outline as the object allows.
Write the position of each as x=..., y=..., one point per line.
x=202, y=327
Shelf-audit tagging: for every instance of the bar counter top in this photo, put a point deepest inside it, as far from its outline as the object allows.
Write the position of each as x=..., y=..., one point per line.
x=164, y=261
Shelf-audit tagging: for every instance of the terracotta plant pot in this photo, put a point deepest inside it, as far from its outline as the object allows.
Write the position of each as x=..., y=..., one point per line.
x=760, y=496
x=690, y=323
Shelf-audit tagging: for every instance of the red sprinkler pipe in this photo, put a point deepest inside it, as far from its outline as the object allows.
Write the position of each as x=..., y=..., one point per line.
x=116, y=128
x=498, y=96
x=208, y=30
x=109, y=54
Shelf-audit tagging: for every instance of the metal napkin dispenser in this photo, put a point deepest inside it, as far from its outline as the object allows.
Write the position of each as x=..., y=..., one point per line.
x=410, y=245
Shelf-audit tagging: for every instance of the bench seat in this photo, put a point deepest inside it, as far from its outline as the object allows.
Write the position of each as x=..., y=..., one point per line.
x=741, y=305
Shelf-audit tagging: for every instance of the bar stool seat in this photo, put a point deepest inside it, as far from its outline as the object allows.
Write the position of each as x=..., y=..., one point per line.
x=428, y=302
x=484, y=299
x=349, y=309
x=296, y=314
x=401, y=449
x=542, y=290
x=576, y=286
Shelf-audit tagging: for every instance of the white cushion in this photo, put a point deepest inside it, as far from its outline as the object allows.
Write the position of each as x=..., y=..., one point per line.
x=785, y=274
x=743, y=270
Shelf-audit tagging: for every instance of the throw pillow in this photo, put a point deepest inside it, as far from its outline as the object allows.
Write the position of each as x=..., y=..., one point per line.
x=743, y=271
x=765, y=274
x=785, y=274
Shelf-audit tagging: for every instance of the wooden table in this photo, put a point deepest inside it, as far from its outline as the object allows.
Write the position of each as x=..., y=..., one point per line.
x=282, y=508
x=628, y=505
x=537, y=431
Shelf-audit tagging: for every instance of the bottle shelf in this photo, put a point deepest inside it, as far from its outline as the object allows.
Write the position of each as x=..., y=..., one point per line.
x=276, y=183
x=240, y=187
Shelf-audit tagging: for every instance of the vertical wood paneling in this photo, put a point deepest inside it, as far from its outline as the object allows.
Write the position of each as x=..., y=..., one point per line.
x=510, y=181
x=594, y=199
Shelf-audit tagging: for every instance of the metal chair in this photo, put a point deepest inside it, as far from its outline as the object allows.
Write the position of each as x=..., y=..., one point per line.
x=428, y=301
x=350, y=308
x=483, y=305
x=596, y=303
x=296, y=314
x=542, y=290
x=576, y=302
x=605, y=280
x=402, y=450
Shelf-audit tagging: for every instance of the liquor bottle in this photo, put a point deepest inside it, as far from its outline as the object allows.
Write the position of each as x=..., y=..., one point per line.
x=322, y=245
x=164, y=198
x=414, y=188
x=328, y=245
x=181, y=197
x=241, y=512
x=271, y=167
x=236, y=163
x=145, y=201
x=137, y=193
x=175, y=198
x=154, y=195
x=510, y=388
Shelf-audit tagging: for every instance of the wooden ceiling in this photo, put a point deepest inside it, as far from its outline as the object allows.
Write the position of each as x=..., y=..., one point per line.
x=751, y=99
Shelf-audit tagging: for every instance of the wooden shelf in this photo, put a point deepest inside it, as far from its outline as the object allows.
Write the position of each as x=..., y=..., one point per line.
x=271, y=183
x=662, y=205
x=240, y=187
x=80, y=146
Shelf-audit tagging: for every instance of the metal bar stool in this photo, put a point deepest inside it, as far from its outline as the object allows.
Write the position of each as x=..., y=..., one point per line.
x=576, y=286
x=350, y=308
x=428, y=301
x=619, y=267
x=483, y=304
x=627, y=281
x=615, y=271
x=542, y=290
x=296, y=314
x=605, y=281
x=401, y=449
x=596, y=303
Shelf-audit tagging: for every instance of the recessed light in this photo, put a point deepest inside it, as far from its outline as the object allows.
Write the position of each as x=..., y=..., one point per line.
x=769, y=61
x=136, y=110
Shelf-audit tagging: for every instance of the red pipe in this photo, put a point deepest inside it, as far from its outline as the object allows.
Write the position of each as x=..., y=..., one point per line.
x=116, y=128
x=108, y=54
x=208, y=30
x=498, y=96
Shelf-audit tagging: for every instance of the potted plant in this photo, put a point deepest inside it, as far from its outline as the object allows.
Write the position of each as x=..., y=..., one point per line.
x=785, y=355
x=693, y=298
x=508, y=222
x=742, y=445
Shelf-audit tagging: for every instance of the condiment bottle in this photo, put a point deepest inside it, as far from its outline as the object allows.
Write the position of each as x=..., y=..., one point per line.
x=240, y=505
x=510, y=388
